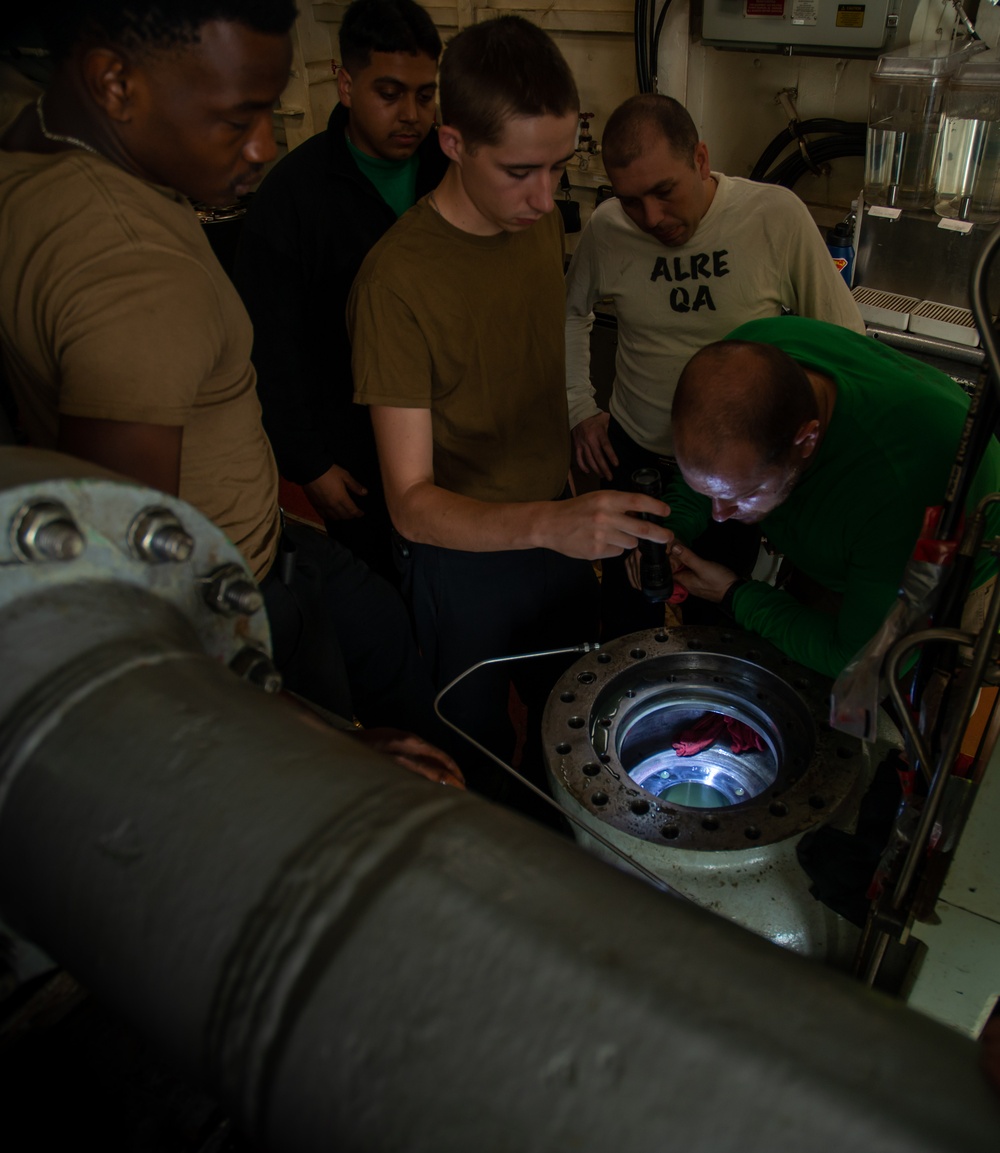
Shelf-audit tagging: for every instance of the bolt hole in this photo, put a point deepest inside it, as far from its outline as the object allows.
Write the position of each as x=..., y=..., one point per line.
x=752, y=833
x=670, y=832
x=630, y=693
x=562, y=749
x=637, y=654
x=603, y=658
x=776, y=809
x=640, y=808
x=660, y=637
x=576, y=722
x=586, y=677
x=568, y=698
x=599, y=799
x=604, y=758
x=590, y=769
x=817, y=802
x=710, y=824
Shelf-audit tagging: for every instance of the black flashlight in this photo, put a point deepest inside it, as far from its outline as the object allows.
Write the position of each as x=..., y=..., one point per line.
x=654, y=563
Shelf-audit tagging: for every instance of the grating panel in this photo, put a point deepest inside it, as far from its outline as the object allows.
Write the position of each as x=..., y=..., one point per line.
x=889, y=309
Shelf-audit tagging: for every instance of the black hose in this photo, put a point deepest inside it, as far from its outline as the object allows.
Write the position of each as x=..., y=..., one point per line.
x=791, y=169
x=845, y=128
x=640, y=22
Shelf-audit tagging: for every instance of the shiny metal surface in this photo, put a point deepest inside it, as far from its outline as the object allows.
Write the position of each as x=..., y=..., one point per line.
x=612, y=719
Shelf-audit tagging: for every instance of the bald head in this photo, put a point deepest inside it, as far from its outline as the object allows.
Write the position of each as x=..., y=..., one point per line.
x=640, y=118
x=737, y=392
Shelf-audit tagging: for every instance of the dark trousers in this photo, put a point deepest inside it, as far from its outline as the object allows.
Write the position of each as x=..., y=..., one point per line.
x=625, y=609
x=342, y=637
x=468, y=607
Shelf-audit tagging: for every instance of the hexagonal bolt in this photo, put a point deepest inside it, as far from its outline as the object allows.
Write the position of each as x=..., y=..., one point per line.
x=46, y=531
x=157, y=536
x=257, y=668
x=229, y=590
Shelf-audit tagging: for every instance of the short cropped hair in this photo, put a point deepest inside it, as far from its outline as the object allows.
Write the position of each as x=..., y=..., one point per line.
x=138, y=24
x=740, y=390
x=386, y=26
x=501, y=68
x=627, y=128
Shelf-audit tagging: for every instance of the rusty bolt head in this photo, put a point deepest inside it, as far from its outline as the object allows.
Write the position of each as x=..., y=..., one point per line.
x=257, y=668
x=46, y=531
x=157, y=536
x=231, y=591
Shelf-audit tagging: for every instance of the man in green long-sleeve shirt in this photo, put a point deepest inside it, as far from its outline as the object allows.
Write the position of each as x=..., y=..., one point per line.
x=835, y=445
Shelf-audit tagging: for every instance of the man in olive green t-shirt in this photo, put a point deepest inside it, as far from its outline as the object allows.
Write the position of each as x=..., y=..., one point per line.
x=456, y=322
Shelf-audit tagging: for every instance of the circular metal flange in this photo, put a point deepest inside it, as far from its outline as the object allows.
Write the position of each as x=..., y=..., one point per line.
x=611, y=721
x=39, y=489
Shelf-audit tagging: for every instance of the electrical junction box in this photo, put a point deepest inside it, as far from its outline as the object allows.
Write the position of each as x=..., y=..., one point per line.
x=807, y=27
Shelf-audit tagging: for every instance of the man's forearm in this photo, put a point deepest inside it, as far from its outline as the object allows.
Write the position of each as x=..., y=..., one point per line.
x=598, y=524
x=813, y=638
x=579, y=388
x=429, y=514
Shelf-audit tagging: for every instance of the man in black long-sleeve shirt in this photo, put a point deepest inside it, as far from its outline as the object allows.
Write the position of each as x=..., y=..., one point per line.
x=307, y=232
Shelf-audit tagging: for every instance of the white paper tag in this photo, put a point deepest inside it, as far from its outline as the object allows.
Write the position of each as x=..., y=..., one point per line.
x=950, y=225
x=887, y=213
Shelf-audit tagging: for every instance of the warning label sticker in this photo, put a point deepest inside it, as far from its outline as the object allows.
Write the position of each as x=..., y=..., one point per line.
x=850, y=16
x=805, y=12
x=764, y=7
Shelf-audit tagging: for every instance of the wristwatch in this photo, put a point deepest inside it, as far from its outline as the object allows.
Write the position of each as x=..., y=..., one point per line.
x=726, y=604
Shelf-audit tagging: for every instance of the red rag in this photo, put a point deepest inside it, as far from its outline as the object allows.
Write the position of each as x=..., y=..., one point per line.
x=709, y=728
x=742, y=738
x=704, y=732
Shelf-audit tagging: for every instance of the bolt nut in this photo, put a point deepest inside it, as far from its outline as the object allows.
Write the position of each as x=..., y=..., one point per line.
x=46, y=531
x=257, y=668
x=231, y=591
x=157, y=536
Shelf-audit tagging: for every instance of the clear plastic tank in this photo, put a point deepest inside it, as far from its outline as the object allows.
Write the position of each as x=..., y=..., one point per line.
x=968, y=179
x=906, y=100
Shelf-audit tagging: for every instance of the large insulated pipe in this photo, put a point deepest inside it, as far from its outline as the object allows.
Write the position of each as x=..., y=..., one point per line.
x=354, y=958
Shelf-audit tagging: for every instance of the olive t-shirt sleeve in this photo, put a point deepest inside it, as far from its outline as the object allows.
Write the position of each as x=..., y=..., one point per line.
x=388, y=370
x=142, y=355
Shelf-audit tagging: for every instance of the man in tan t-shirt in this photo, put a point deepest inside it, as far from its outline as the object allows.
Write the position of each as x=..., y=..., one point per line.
x=124, y=342
x=456, y=321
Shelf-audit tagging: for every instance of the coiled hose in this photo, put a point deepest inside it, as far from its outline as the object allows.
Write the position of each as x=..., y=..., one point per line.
x=844, y=138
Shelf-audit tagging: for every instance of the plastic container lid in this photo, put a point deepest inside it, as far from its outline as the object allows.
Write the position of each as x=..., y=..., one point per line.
x=984, y=72
x=927, y=61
